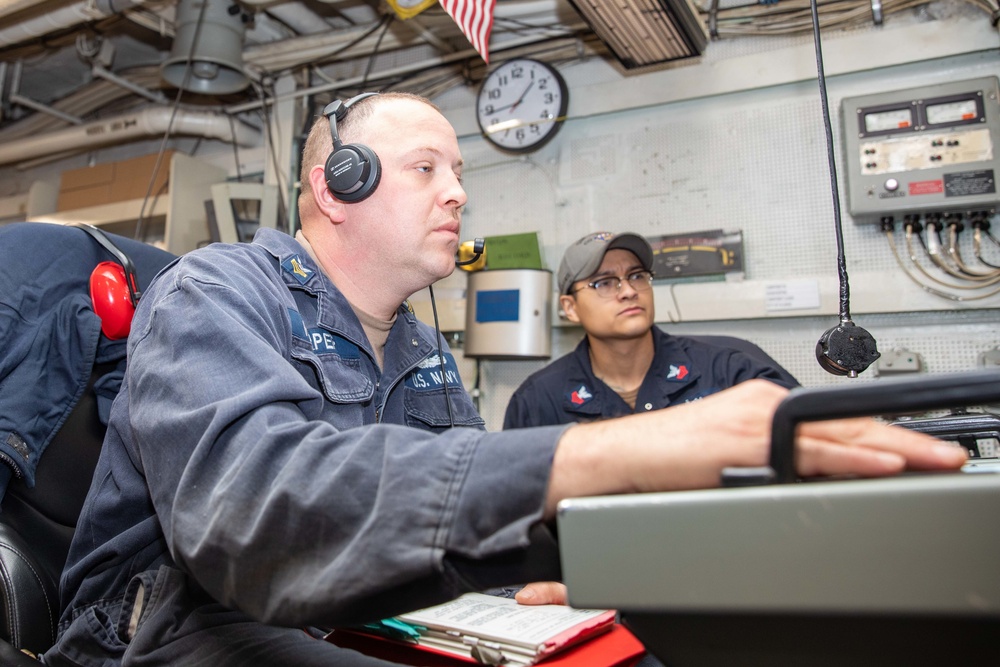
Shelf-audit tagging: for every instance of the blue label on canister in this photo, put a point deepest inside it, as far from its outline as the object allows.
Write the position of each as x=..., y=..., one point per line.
x=498, y=305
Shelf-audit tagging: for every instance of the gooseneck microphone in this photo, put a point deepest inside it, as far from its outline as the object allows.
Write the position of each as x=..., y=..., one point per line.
x=845, y=349
x=478, y=246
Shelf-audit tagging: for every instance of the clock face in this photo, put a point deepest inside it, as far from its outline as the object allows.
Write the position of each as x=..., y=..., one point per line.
x=522, y=104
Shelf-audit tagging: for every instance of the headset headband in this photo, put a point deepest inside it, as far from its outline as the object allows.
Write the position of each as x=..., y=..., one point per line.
x=130, y=277
x=336, y=110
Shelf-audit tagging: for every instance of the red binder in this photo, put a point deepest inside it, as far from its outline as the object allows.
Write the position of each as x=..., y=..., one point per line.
x=616, y=648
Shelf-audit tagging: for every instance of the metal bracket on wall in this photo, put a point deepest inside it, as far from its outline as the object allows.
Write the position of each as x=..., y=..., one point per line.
x=899, y=360
x=989, y=358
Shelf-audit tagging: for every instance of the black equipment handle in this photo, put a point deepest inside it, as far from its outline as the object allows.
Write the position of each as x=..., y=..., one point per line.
x=954, y=390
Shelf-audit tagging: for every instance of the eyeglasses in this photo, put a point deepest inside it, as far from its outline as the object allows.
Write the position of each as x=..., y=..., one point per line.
x=610, y=286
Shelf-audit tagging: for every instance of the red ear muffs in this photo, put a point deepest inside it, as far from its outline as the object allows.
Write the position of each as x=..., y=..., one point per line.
x=111, y=300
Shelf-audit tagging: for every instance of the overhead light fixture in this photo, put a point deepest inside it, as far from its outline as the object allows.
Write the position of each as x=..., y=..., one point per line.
x=207, y=54
x=646, y=32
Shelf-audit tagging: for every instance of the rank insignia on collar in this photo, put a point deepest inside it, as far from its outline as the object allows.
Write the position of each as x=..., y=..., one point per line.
x=294, y=266
x=580, y=395
x=677, y=373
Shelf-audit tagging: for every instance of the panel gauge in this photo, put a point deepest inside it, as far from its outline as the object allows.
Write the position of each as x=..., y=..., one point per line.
x=930, y=149
x=954, y=111
x=889, y=120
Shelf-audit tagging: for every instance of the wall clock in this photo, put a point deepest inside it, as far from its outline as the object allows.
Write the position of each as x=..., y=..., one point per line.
x=522, y=104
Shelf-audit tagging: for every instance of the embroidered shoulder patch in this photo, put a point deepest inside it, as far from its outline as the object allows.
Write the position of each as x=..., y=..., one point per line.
x=677, y=373
x=580, y=395
x=294, y=267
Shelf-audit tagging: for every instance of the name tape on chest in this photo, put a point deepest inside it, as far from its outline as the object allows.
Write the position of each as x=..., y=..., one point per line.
x=322, y=341
x=427, y=376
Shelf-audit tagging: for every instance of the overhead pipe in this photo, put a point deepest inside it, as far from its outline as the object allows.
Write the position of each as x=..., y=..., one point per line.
x=131, y=127
x=17, y=98
x=316, y=46
x=437, y=61
x=102, y=73
x=65, y=17
x=14, y=6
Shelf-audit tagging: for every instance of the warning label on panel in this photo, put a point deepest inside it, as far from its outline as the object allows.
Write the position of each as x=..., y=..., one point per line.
x=926, y=187
x=969, y=183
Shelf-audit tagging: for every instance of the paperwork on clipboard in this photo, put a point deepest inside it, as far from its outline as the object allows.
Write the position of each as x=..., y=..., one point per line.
x=498, y=631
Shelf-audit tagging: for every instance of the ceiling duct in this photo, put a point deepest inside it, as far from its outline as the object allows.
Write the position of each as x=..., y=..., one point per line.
x=149, y=122
x=646, y=32
x=210, y=34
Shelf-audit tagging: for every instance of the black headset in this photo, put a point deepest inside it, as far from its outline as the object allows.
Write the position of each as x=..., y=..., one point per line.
x=352, y=170
x=114, y=287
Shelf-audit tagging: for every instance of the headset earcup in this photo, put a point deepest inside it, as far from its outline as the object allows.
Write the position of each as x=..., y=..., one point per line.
x=110, y=299
x=353, y=172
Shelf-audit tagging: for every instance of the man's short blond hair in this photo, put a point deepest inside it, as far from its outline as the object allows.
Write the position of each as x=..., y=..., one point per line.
x=319, y=143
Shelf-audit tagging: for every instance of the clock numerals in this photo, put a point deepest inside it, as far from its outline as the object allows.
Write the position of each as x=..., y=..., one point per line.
x=522, y=104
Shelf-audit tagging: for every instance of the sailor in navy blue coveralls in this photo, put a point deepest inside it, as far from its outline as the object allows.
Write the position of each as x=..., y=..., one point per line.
x=605, y=285
x=684, y=369
x=268, y=468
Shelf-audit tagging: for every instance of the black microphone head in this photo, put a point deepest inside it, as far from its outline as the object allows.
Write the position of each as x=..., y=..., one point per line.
x=846, y=349
x=478, y=246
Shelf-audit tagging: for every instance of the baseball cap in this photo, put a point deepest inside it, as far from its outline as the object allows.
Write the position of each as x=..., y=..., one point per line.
x=584, y=257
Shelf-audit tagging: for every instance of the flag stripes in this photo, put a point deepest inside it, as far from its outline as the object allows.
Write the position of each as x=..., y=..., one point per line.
x=475, y=18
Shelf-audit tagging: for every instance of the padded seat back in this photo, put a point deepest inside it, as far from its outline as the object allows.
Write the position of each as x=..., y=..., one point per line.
x=37, y=524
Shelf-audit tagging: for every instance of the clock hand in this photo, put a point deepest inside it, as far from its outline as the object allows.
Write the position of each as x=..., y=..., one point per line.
x=521, y=98
x=514, y=105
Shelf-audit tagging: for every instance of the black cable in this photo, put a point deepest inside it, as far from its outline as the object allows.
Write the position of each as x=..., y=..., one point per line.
x=236, y=150
x=440, y=350
x=845, y=289
x=354, y=42
x=371, y=58
x=266, y=117
x=713, y=20
x=990, y=236
x=170, y=124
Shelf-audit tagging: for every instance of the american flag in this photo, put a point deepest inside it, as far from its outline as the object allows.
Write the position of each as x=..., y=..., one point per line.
x=475, y=18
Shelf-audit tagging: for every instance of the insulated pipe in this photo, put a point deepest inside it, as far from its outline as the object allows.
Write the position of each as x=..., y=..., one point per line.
x=65, y=17
x=13, y=6
x=304, y=49
x=129, y=127
x=407, y=69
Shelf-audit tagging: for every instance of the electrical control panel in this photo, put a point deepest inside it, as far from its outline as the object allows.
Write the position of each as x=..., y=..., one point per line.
x=932, y=149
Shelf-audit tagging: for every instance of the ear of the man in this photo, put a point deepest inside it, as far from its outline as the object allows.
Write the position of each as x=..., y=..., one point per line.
x=568, y=304
x=330, y=206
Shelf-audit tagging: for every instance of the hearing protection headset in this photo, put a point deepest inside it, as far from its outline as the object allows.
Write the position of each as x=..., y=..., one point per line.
x=352, y=170
x=114, y=288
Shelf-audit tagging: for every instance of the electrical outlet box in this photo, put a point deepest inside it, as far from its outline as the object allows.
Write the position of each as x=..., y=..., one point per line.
x=990, y=358
x=899, y=360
